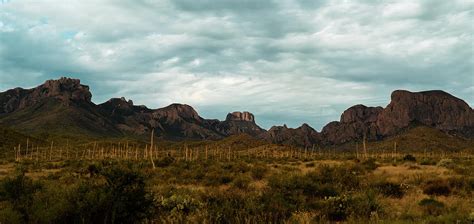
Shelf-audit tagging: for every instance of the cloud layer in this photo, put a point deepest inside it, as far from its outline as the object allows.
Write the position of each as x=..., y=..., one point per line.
x=287, y=61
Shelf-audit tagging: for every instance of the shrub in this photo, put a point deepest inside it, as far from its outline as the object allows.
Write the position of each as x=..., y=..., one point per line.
x=258, y=172
x=179, y=204
x=118, y=195
x=335, y=209
x=128, y=200
x=370, y=164
x=340, y=208
x=242, y=181
x=215, y=178
x=9, y=215
x=448, y=163
x=365, y=205
x=164, y=162
x=431, y=206
x=389, y=189
x=19, y=191
x=409, y=158
x=437, y=187
x=235, y=206
x=298, y=192
x=345, y=177
x=425, y=162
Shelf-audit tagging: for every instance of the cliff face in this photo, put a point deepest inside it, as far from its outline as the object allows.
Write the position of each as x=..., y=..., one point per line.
x=59, y=107
x=436, y=109
x=64, y=90
x=239, y=123
x=303, y=136
x=65, y=105
x=356, y=122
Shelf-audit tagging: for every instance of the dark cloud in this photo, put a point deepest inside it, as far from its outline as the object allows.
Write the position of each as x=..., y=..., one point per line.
x=287, y=61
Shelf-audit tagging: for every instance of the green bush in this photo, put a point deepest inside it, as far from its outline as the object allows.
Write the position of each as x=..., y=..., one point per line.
x=179, y=204
x=431, y=207
x=19, y=192
x=370, y=164
x=242, y=181
x=340, y=208
x=409, y=158
x=10, y=215
x=389, y=189
x=258, y=172
x=428, y=161
x=437, y=187
x=235, y=206
x=114, y=195
x=164, y=162
x=336, y=209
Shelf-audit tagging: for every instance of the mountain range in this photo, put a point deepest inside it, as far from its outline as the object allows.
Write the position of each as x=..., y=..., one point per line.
x=64, y=107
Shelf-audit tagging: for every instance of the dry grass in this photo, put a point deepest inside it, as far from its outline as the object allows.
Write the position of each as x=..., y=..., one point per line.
x=406, y=174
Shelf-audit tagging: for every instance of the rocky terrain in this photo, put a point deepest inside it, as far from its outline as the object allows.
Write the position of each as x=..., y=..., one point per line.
x=64, y=106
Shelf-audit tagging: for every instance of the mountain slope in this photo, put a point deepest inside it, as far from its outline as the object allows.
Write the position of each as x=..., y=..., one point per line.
x=64, y=108
x=58, y=107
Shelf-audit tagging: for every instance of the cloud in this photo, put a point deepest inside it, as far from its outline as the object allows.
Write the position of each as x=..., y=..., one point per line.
x=287, y=61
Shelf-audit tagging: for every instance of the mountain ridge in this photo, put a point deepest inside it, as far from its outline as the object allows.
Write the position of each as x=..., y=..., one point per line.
x=63, y=104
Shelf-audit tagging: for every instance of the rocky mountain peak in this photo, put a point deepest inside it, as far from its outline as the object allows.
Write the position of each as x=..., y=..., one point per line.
x=177, y=110
x=360, y=113
x=64, y=89
x=240, y=116
x=431, y=108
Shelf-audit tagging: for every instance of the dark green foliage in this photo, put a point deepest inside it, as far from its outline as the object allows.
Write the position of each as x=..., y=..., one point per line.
x=370, y=164
x=258, y=172
x=242, y=181
x=437, y=187
x=341, y=207
x=409, y=158
x=164, y=162
x=127, y=201
x=428, y=162
x=107, y=195
x=389, y=189
x=431, y=206
x=345, y=177
x=19, y=192
x=235, y=206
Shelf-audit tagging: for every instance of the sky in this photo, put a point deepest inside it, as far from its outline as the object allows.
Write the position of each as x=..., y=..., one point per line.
x=286, y=61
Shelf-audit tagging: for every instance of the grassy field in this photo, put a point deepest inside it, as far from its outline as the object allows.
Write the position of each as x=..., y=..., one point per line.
x=104, y=183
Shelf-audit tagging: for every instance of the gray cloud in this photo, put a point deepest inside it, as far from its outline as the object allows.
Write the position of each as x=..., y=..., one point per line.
x=287, y=61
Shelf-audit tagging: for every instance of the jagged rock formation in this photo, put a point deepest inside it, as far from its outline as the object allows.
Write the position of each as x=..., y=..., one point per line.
x=240, y=116
x=55, y=107
x=303, y=136
x=65, y=90
x=64, y=106
x=436, y=109
x=356, y=122
x=238, y=123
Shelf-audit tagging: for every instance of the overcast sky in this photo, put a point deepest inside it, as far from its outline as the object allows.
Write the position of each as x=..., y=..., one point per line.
x=287, y=61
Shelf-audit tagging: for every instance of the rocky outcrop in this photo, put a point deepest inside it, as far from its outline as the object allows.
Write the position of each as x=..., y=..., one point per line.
x=65, y=90
x=303, y=136
x=240, y=116
x=65, y=105
x=239, y=123
x=436, y=109
x=355, y=123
